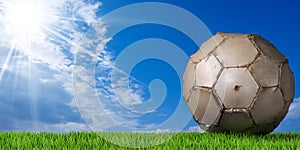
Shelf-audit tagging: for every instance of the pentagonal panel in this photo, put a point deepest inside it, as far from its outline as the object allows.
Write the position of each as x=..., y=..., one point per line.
x=268, y=49
x=188, y=79
x=198, y=102
x=234, y=35
x=197, y=57
x=267, y=106
x=265, y=71
x=287, y=83
x=236, y=52
x=236, y=88
x=211, y=44
x=207, y=71
x=235, y=121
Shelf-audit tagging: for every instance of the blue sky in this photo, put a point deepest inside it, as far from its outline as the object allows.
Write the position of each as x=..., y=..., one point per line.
x=37, y=89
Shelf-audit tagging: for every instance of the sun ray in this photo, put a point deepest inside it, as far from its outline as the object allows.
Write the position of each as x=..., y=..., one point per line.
x=17, y=71
x=6, y=62
x=33, y=104
x=60, y=30
x=64, y=18
x=59, y=35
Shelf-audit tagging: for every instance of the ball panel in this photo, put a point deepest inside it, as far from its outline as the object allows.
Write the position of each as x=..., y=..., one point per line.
x=198, y=102
x=214, y=129
x=235, y=121
x=197, y=57
x=287, y=83
x=267, y=49
x=207, y=71
x=265, y=71
x=267, y=106
x=204, y=127
x=236, y=88
x=283, y=113
x=189, y=79
x=262, y=129
x=236, y=52
x=234, y=35
x=212, y=113
x=211, y=44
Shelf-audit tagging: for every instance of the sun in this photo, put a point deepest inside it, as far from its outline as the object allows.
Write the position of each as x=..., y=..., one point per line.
x=24, y=18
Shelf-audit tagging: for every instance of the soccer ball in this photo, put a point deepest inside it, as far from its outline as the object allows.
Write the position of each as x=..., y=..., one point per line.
x=238, y=83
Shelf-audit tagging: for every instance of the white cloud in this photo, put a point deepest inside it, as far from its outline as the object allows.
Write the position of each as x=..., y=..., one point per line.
x=158, y=131
x=87, y=11
x=104, y=104
x=124, y=93
x=101, y=104
x=294, y=111
x=195, y=129
x=29, y=126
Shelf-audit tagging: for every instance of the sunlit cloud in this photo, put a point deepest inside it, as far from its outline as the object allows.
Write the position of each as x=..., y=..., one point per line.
x=38, y=43
x=294, y=111
x=37, y=28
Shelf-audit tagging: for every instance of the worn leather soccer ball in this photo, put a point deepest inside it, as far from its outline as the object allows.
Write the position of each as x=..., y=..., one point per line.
x=238, y=83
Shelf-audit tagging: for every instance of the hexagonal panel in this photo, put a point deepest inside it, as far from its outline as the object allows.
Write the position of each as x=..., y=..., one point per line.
x=265, y=71
x=211, y=44
x=287, y=83
x=236, y=52
x=235, y=121
x=203, y=107
x=212, y=113
x=198, y=102
x=283, y=113
x=236, y=88
x=197, y=57
x=267, y=48
x=188, y=79
x=267, y=106
x=207, y=71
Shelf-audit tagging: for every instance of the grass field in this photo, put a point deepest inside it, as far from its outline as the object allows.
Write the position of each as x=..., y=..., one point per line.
x=23, y=140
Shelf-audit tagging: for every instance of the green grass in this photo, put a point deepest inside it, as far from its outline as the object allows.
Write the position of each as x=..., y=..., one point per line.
x=23, y=140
